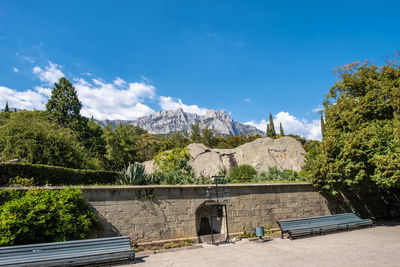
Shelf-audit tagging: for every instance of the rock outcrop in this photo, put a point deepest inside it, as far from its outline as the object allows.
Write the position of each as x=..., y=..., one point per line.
x=286, y=153
x=169, y=121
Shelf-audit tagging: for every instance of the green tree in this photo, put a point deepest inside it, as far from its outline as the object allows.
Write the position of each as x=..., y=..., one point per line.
x=281, y=129
x=361, y=144
x=178, y=140
x=90, y=135
x=207, y=137
x=6, y=109
x=271, y=132
x=195, y=136
x=122, y=145
x=30, y=137
x=64, y=106
x=322, y=125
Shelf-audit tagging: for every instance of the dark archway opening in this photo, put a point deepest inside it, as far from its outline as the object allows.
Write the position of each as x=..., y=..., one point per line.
x=204, y=225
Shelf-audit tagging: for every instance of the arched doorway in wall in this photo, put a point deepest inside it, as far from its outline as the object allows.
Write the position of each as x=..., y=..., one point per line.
x=207, y=221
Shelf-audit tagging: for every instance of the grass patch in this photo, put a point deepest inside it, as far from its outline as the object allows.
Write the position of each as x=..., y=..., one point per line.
x=169, y=245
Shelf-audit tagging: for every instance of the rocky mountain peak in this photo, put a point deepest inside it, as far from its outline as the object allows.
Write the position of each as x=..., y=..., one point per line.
x=167, y=121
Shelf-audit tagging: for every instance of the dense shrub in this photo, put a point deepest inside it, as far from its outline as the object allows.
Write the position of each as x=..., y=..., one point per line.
x=135, y=174
x=276, y=174
x=242, y=173
x=39, y=216
x=30, y=137
x=8, y=195
x=176, y=159
x=176, y=177
x=173, y=167
x=52, y=175
x=20, y=181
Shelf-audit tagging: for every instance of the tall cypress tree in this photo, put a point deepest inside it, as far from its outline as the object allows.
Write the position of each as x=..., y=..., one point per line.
x=281, y=129
x=322, y=125
x=6, y=109
x=268, y=131
x=272, y=132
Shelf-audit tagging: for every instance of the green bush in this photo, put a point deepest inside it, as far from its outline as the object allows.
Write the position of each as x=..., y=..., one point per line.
x=135, y=174
x=8, y=195
x=276, y=174
x=52, y=175
x=30, y=137
x=176, y=177
x=173, y=167
x=20, y=181
x=242, y=173
x=40, y=216
x=174, y=160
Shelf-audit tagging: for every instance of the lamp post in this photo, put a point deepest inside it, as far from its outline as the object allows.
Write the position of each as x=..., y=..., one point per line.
x=220, y=207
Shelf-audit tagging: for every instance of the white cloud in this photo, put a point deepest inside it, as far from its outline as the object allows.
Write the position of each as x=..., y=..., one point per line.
x=29, y=59
x=15, y=69
x=118, y=81
x=292, y=125
x=44, y=91
x=86, y=74
x=248, y=100
x=111, y=101
x=145, y=79
x=50, y=74
x=168, y=103
x=262, y=125
x=318, y=109
x=142, y=90
x=29, y=99
x=117, y=100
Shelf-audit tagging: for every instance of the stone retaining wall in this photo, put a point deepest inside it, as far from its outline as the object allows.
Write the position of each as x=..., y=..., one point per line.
x=153, y=213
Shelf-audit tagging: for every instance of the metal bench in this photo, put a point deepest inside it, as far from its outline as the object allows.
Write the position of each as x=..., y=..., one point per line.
x=79, y=252
x=321, y=224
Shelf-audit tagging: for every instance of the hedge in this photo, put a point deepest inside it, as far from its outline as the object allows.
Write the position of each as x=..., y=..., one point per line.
x=53, y=175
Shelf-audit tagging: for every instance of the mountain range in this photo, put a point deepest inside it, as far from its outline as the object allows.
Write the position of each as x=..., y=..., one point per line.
x=170, y=121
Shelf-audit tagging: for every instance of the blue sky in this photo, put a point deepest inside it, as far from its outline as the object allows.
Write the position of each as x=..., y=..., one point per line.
x=132, y=58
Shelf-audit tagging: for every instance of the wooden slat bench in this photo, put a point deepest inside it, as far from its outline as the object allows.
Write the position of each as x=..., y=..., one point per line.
x=321, y=224
x=79, y=252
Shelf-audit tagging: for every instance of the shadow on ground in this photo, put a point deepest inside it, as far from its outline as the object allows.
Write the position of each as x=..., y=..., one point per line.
x=140, y=259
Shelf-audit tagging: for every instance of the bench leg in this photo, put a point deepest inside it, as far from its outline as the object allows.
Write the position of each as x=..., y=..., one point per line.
x=281, y=234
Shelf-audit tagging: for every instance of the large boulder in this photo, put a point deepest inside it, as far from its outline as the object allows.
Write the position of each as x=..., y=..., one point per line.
x=286, y=153
x=149, y=166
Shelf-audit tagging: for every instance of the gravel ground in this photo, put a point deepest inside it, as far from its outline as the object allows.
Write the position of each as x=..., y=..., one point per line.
x=377, y=246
